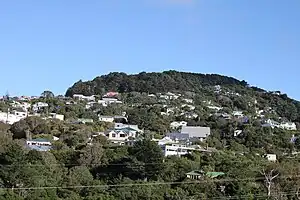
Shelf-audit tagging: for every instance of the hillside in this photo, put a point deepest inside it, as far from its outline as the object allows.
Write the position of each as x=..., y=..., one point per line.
x=141, y=140
x=198, y=84
x=151, y=82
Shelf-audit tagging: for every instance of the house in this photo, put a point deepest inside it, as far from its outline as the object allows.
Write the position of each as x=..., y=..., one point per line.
x=271, y=123
x=196, y=174
x=288, y=126
x=111, y=118
x=85, y=98
x=84, y=120
x=190, y=107
x=169, y=96
x=175, y=125
x=217, y=108
x=178, y=136
x=111, y=94
x=120, y=135
x=166, y=140
x=13, y=117
x=56, y=116
x=238, y=114
x=23, y=105
x=176, y=150
x=38, y=106
x=271, y=157
x=191, y=115
x=107, y=101
x=106, y=118
x=237, y=133
x=39, y=144
x=188, y=100
x=196, y=131
x=134, y=127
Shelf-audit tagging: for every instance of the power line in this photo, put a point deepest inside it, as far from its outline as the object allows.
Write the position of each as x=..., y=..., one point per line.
x=142, y=184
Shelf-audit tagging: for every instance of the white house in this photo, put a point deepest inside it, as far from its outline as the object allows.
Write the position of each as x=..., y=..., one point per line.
x=120, y=135
x=57, y=116
x=188, y=100
x=11, y=118
x=36, y=107
x=106, y=118
x=288, y=126
x=237, y=133
x=271, y=157
x=175, y=125
x=23, y=105
x=238, y=114
x=107, y=101
x=217, y=108
x=82, y=97
x=39, y=144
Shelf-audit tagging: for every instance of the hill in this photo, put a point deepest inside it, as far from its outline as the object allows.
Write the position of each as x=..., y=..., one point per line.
x=203, y=84
x=150, y=82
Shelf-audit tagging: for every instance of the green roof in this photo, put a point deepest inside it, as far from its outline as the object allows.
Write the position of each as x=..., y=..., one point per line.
x=214, y=174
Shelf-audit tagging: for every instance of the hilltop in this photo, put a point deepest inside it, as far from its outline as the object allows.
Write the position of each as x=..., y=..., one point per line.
x=196, y=83
x=166, y=81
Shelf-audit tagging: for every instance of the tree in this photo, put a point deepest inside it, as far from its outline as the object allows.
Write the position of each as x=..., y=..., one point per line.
x=149, y=153
x=47, y=94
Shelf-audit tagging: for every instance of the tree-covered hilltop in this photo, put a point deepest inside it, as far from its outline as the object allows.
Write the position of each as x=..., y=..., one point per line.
x=151, y=82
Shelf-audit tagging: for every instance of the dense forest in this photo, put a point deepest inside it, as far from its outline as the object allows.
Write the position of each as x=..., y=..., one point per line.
x=150, y=82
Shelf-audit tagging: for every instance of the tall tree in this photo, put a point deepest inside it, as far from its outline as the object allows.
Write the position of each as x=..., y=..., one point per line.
x=47, y=94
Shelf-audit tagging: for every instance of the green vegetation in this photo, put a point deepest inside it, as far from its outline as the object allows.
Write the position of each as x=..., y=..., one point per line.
x=84, y=164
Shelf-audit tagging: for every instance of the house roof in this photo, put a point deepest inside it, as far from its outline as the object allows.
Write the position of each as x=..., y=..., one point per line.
x=196, y=131
x=214, y=174
x=40, y=148
x=178, y=136
x=40, y=140
x=195, y=173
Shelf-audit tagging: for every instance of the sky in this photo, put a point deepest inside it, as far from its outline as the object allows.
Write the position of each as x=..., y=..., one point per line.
x=49, y=45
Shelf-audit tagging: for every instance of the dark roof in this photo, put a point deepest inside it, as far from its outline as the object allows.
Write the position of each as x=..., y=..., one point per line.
x=178, y=136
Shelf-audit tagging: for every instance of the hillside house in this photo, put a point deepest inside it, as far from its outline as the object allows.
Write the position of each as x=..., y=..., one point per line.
x=198, y=132
x=188, y=100
x=175, y=125
x=39, y=144
x=288, y=126
x=238, y=114
x=38, y=106
x=271, y=123
x=81, y=97
x=195, y=175
x=271, y=157
x=107, y=101
x=56, y=116
x=13, y=117
x=23, y=105
x=112, y=118
x=134, y=127
x=216, y=108
x=106, y=118
x=178, y=137
x=84, y=120
x=120, y=135
x=111, y=94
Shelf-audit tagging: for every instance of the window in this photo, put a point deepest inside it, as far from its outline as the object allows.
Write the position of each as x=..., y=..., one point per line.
x=113, y=135
x=122, y=135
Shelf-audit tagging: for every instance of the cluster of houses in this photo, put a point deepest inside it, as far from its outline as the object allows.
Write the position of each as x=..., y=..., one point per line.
x=13, y=116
